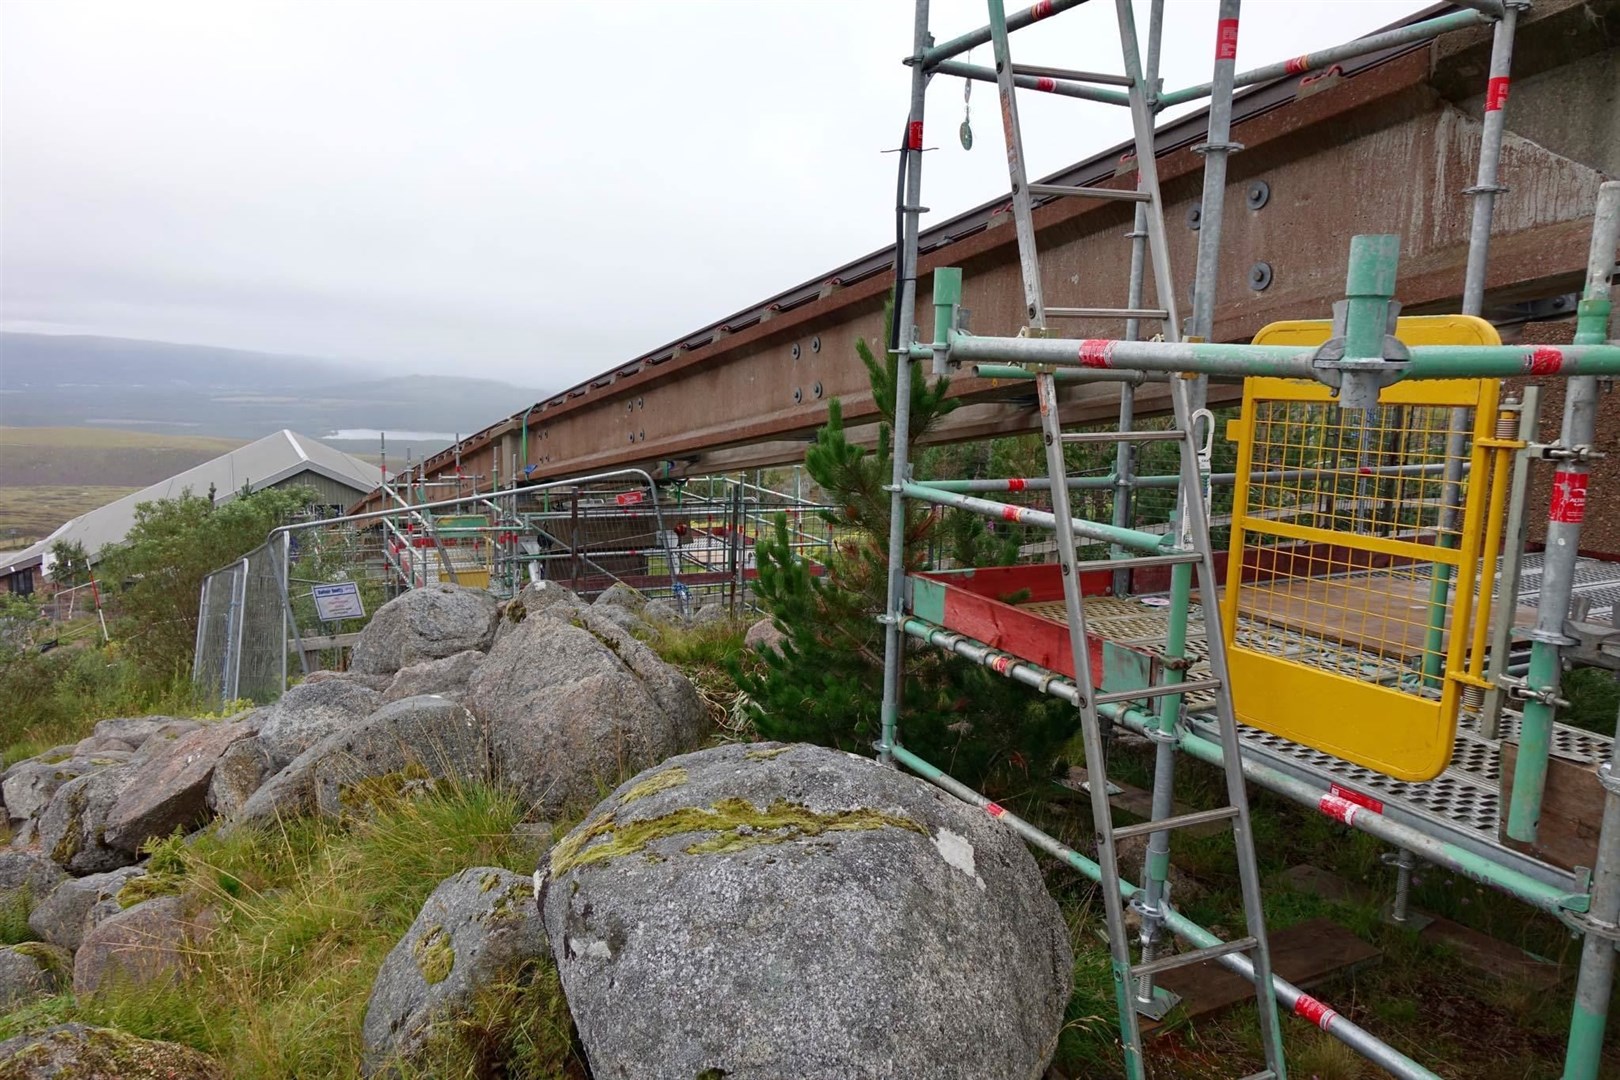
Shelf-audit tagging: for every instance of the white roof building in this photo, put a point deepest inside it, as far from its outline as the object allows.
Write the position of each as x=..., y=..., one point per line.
x=284, y=459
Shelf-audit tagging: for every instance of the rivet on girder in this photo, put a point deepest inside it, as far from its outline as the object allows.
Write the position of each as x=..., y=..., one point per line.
x=795, y=350
x=1259, y=194
x=1195, y=217
x=816, y=390
x=815, y=344
x=1260, y=276
x=798, y=395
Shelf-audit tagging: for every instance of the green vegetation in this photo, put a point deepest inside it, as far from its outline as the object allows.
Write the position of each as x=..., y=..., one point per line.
x=159, y=569
x=825, y=683
x=306, y=912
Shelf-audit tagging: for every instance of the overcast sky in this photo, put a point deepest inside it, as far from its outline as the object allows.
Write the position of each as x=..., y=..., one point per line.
x=530, y=191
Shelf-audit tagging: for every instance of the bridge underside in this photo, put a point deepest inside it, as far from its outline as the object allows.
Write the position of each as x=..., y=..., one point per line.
x=1385, y=147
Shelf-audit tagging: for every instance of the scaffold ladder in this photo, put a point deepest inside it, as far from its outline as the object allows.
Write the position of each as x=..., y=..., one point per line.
x=1134, y=978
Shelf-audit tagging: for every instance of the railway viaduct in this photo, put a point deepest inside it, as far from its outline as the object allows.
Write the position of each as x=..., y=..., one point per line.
x=1385, y=144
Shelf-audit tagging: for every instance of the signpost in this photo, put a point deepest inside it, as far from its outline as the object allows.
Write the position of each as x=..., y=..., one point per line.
x=334, y=603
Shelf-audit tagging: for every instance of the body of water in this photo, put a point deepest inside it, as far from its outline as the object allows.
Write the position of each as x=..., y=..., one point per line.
x=372, y=435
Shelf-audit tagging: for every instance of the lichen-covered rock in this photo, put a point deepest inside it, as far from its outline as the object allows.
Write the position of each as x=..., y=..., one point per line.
x=620, y=595
x=309, y=712
x=572, y=703
x=144, y=944
x=447, y=677
x=78, y=905
x=29, y=784
x=166, y=735
x=32, y=969
x=428, y=736
x=91, y=745
x=425, y=624
x=170, y=789
x=763, y=636
x=378, y=683
x=661, y=611
x=73, y=828
x=27, y=878
x=766, y=911
x=81, y=1052
x=709, y=614
x=133, y=730
x=478, y=928
x=240, y=771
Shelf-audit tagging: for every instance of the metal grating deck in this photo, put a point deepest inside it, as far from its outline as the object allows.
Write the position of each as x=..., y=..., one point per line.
x=1461, y=803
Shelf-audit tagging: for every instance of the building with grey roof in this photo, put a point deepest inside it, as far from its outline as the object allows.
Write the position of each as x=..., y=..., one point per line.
x=285, y=459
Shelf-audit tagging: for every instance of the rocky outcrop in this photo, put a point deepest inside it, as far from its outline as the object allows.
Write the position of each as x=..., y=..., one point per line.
x=447, y=677
x=309, y=712
x=32, y=969
x=27, y=877
x=29, y=785
x=767, y=911
x=144, y=944
x=81, y=1052
x=425, y=624
x=572, y=703
x=763, y=636
x=73, y=828
x=239, y=772
x=169, y=790
x=476, y=929
x=78, y=905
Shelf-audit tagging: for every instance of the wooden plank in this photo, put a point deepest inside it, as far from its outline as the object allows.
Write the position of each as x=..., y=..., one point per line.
x=1485, y=953
x=332, y=641
x=1139, y=803
x=1571, y=811
x=1306, y=954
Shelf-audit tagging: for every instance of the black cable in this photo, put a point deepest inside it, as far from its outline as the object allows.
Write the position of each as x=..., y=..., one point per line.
x=899, y=237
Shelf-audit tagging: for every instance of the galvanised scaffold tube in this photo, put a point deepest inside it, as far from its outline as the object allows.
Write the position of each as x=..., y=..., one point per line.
x=906, y=314
x=1060, y=87
x=1537, y=894
x=1282, y=361
x=1225, y=479
x=1125, y=454
x=1024, y=515
x=1044, y=9
x=1290, y=996
x=1566, y=511
x=1584, y=1054
x=1299, y=65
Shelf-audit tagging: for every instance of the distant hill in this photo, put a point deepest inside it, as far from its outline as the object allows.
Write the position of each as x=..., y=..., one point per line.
x=71, y=381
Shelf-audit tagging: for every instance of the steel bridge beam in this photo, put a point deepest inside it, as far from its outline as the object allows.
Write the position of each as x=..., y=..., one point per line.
x=1387, y=146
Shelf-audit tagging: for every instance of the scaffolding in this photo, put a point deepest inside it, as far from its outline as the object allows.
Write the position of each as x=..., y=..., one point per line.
x=690, y=543
x=1377, y=461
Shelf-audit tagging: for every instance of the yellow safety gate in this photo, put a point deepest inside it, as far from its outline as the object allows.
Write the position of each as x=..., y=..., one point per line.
x=1352, y=611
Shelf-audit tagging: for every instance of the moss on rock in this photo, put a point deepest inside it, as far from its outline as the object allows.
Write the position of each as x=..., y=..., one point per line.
x=736, y=823
x=434, y=955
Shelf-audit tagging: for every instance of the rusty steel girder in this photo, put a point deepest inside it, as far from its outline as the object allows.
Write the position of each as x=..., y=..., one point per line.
x=1385, y=145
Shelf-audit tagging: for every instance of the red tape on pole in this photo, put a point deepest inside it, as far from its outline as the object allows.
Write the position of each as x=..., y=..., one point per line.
x=1226, y=33
x=1568, y=504
x=1496, y=93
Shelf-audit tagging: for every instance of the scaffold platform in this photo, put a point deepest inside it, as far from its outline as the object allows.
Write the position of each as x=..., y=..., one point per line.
x=1462, y=805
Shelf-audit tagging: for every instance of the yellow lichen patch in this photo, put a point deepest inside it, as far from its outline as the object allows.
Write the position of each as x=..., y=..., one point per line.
x=765, y=753
x=434, y=955
x=655, y=783
x=736, y=823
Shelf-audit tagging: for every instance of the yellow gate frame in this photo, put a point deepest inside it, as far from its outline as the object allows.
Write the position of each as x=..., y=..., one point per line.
x=1405, y=725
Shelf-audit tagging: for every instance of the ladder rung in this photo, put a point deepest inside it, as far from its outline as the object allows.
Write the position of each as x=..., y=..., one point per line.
x=1197, y=956
x=1099, y=77
x=1136, y=561
x=1180, y=821
x=1081, y=192
x=1171, y=435
x=1161, y=690
x=1106, y=313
